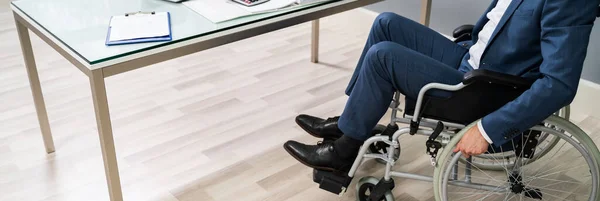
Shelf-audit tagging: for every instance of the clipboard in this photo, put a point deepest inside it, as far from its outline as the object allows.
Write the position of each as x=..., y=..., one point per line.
x=128, y=33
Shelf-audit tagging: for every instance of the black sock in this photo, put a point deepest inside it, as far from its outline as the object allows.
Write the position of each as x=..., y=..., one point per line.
x=347, y=147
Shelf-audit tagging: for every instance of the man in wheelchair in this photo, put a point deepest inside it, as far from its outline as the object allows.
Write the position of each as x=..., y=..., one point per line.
x=537, y=45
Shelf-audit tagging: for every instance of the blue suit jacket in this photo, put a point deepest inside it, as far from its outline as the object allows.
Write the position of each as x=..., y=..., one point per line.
x=539, y=39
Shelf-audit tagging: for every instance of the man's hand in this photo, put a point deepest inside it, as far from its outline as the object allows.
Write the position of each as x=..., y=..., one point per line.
x=472, y=143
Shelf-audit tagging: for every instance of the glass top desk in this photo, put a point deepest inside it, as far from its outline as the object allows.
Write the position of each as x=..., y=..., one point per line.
x=77, y=30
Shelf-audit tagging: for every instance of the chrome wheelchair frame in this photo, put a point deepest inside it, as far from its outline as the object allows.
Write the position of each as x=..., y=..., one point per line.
x=427, y=127
x=429, y=124
x=561, y=128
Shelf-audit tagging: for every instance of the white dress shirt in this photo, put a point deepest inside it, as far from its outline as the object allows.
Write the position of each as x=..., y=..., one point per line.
x=485, y=34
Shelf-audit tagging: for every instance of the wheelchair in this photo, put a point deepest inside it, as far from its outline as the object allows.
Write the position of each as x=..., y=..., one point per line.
x=554, y=160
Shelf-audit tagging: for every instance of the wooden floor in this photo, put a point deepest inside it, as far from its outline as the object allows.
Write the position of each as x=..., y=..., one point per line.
x=208, y=126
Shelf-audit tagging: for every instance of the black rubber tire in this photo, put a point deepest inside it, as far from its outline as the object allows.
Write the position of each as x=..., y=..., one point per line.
x=365, y=185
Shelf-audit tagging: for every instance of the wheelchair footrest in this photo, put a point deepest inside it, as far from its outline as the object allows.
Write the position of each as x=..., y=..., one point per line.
x=333, y=182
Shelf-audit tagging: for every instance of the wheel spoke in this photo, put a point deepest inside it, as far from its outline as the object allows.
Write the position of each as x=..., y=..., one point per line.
x=552, y=195
x=483, y=178
x=555, y=181
x=546, y=171
x=488, y=195
x=557, y=172
x=547, y=162
x=551, y=189
x=511, y=197
x=509, y=174
x=542, y=176
x=550, y=178
x=483, y=172
x=520, y=197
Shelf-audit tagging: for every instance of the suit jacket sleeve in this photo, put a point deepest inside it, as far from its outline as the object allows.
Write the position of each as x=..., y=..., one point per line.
x=566, y=27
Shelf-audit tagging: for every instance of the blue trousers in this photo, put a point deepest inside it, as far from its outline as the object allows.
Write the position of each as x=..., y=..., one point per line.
x=400, y=55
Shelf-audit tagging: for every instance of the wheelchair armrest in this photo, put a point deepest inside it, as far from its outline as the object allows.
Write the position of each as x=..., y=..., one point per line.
x=463, y=33
x=461, y=30
x=497, y=78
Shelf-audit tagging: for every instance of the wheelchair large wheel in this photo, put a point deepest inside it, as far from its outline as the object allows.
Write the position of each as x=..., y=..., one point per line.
x=366, y=185
x=569, y=171
x=546, y=143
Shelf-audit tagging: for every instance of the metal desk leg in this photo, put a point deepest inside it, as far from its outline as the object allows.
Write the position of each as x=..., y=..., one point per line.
x=314, y=56
x=425, y=12
x=36, y=89
x=106, y=136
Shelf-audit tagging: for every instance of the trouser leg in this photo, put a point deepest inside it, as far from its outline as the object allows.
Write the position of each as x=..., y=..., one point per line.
x=388, y=67
x=412, y=35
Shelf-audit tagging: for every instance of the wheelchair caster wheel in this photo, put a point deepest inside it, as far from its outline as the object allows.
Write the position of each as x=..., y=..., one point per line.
x=367, y=186
x=382, y=147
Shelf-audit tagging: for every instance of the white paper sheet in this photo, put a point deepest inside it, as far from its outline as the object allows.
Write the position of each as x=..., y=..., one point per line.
x=306, y=2
x=139, y=26
x=216, y=10
x=269, y=6
x=223, y=10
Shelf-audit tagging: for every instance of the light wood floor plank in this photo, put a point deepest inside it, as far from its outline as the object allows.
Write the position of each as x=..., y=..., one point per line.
x=204, y=127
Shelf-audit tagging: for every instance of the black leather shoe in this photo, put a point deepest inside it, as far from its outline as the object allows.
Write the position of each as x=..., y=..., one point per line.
x=321, y=156
x=320, y=128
